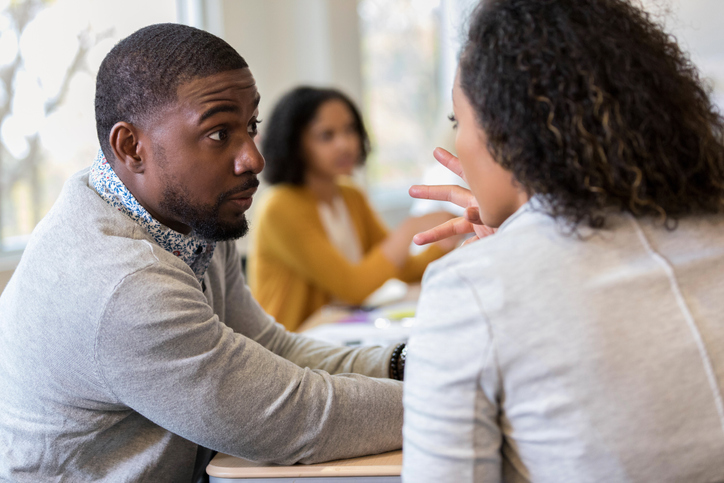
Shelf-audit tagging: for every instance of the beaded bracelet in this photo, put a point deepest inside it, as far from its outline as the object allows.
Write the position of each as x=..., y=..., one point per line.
x=397, y=362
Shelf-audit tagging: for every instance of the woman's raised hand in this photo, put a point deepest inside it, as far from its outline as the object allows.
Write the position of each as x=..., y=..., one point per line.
x=470, y=222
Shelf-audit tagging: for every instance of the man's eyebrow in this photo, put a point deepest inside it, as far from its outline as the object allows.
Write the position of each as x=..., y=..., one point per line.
x=226, y=108
x=217, y=109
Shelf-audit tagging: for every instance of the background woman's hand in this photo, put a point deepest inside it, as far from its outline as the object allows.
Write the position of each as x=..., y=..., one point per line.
x=470, y=222
x=397, y=244
x=429, y=222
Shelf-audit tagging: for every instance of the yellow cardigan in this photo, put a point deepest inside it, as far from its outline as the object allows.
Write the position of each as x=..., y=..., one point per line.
x=293, y=267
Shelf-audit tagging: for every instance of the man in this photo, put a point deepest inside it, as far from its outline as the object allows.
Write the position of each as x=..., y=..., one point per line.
x=129, y=342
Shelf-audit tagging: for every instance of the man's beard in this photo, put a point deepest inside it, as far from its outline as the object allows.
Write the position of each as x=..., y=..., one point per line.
x=204, y=219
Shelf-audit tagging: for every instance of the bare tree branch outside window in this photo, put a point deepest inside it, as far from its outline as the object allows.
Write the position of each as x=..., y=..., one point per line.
x=31, y=89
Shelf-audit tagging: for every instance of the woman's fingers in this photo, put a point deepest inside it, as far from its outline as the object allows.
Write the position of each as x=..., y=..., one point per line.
x=452, y=193
x=448, y=160
x=481, y=231
x=456, y=226
x=472, y=214
x=463, y=197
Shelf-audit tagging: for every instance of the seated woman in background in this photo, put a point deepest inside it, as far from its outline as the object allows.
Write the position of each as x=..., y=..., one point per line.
x=584, y=340
x=316, y=239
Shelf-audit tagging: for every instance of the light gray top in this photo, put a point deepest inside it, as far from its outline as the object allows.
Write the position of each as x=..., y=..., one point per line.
x=114, y=364
x=550, y=358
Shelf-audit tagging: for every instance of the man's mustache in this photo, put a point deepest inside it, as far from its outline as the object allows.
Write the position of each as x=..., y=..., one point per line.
x=251, y=183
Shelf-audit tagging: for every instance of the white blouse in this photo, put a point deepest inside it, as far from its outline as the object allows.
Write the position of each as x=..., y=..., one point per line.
x=340, y=229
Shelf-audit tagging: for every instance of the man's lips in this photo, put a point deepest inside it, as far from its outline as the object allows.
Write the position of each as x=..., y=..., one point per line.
x=242, y=199
x=247, y=193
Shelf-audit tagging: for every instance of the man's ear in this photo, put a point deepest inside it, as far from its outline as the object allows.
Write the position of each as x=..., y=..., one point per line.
x=125, y=143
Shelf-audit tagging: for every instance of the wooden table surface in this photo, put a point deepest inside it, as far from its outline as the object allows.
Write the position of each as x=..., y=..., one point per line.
x=385, y=464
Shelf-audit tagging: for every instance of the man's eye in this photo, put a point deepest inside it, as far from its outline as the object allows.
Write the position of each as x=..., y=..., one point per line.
x=218, y=135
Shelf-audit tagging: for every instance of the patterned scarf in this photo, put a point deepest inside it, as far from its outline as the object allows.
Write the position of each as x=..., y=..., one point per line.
x=195, y=251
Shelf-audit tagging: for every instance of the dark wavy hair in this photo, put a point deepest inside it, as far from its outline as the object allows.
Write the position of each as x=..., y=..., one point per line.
x=591, y=105
x=281, y=143
x=141, y=74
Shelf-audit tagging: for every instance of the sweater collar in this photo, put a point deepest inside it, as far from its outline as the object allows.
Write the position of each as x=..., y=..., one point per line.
x=195, y=251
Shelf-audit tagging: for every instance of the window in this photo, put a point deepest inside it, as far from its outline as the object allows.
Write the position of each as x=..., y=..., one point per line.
x=400, y=80
x=400, y=59
x=409, y=55
x=49, y=55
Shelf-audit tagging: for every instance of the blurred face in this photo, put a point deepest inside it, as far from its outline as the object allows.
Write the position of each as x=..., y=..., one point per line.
x=494, y=188
x=203, y=163
x=331, y=143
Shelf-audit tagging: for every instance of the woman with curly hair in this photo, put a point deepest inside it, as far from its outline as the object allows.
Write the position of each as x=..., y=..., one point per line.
x=316, y=238
x=584, y=339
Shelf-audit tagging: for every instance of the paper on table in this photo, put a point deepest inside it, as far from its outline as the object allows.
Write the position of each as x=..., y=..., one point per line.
x=391, y=291
x=382, y=326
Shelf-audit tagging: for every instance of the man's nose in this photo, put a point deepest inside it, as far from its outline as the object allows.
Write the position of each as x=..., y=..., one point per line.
x=248, y=159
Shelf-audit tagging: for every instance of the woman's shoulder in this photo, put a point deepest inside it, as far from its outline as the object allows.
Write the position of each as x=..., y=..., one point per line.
x=534, y=244
x=529, y=241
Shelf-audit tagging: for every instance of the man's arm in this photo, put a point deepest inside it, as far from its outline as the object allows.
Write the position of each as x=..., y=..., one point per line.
x=244, y=315
x=164, y=353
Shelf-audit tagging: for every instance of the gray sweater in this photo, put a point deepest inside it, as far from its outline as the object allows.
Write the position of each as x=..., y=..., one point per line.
x=548, y=358
x=115, y=365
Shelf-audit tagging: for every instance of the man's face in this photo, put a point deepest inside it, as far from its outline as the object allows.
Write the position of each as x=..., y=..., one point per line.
x=202, y=167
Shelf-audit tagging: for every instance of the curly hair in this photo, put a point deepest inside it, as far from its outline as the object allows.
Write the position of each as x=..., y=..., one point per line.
x=590, y=104
x=142, y=73
x=281, y=143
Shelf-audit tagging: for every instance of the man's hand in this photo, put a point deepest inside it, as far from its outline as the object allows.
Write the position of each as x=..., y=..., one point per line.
x=470, y=222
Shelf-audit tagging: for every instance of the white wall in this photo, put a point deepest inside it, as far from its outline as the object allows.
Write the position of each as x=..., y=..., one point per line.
x=697, y=26
x=292, y=42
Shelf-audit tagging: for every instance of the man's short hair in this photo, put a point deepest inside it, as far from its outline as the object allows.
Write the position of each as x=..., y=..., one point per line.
x=142, y=73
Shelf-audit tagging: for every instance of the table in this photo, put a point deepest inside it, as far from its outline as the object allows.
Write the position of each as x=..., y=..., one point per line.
x=381, y=468
x=384, y=323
